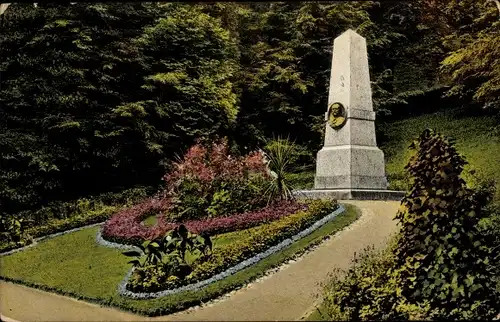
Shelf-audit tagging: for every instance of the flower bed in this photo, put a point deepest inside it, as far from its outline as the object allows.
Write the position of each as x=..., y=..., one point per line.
x=126, y=228
x=257, y=239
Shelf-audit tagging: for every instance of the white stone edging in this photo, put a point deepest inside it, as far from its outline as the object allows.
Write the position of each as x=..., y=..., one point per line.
x=39, y=239
x=122, y=290
x=103, y=242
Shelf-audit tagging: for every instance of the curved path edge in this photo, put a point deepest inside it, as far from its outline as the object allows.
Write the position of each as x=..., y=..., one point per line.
x=286, y=294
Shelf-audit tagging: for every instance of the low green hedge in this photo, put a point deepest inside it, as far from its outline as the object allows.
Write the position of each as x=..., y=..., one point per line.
x=53, y=226
x=62, y=216
x=57, y=225
x=257, y=239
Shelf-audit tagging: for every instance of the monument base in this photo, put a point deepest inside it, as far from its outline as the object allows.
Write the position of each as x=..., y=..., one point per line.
x=350, y=167
x=350, y=194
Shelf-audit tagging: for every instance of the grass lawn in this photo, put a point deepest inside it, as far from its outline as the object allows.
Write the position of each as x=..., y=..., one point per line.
x=150, y=221
x=474, y=140
x=75, y=265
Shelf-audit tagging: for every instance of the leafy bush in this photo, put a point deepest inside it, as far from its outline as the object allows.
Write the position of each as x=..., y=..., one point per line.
x=13, y=233
x=125, y=227
x=441, y=253
x=92, y=216
x=166, y=259
x=256, y=240
x=301, y=180
x=366, y=291
x=208, y=182
x=57, y=210
x=439, y=266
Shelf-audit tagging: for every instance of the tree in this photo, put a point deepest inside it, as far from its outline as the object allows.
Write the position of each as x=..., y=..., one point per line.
x=469, y=33
x=65, y=67
x=188, y=62
x=473, y=62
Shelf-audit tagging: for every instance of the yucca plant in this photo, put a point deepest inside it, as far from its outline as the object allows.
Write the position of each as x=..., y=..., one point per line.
x=279, y=155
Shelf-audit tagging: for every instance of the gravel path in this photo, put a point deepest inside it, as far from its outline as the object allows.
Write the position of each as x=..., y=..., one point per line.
x=288, y=294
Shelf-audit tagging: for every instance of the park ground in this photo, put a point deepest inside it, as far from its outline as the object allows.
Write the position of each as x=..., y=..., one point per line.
x=288, y=294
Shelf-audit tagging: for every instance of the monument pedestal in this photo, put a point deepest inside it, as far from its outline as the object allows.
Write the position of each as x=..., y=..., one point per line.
x=350, y=167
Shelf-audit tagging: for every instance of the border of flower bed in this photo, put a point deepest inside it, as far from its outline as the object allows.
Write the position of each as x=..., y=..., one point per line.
x=39, y=239
x=122, y=287
x=103, y=242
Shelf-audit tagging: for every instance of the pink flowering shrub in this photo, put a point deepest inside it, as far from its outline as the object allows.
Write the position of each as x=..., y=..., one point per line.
x=126, y=227
x=209, y=182
x=208, y=191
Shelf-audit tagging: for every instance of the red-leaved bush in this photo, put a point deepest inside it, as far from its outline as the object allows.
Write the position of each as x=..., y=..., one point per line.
x=208, y=191
x=209, y=182
x=126, y=227
x=207, y=164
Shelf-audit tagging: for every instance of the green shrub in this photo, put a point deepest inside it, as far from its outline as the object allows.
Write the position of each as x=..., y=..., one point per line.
x=60, y=210
x=249, y=243
x=61, y=216
x=442, y=256
x=365, y=291
x=168, y=259
x=96, y=214
x=93, y=216
x=439, y=266
x=301, y=180
x=13, y=232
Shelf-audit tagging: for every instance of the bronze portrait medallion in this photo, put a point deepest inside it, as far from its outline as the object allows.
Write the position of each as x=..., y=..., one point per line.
x=336, y=116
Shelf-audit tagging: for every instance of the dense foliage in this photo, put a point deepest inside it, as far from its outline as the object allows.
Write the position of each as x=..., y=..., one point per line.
x=471, y=38
x=441, y=263
x=209, y=182
x=58, y=217
x=172, y=256
x=98, y=97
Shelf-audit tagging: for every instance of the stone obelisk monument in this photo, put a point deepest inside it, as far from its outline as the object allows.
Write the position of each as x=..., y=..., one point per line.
x=350, y=165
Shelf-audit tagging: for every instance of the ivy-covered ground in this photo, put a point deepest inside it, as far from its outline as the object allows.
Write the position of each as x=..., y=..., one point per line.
x=75, y=265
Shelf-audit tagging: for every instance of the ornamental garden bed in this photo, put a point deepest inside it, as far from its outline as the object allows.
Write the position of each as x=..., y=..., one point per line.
x=220, y=222
x=74, y=264
x=157, y=274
